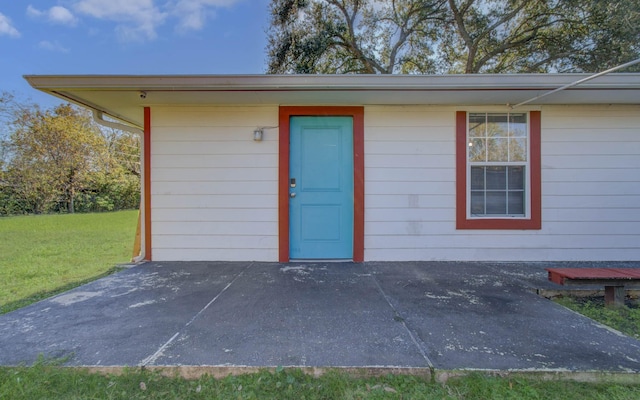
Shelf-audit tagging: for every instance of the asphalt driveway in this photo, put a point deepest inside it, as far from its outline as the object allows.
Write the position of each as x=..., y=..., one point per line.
x=438, y=315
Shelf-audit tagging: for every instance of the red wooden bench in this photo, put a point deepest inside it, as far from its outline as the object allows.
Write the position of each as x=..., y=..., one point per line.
x=614, y=280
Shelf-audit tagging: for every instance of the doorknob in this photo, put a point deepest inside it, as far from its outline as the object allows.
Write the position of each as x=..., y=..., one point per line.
x=292, y=195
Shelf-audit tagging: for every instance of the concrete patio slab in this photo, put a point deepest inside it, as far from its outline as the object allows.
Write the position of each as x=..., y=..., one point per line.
x=431, y=315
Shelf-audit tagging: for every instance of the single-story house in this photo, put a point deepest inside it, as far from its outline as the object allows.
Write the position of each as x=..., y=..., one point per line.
x=372, y=168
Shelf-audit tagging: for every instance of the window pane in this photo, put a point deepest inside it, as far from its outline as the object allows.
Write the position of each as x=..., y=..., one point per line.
x=516, y=203
x=477, y=125
x=477, y=178
x=518, y=125
x=497, y=125
x=497, y=144
x=477, y=151
x=518, y=149
x=497, y=203
x=477, y=203
x=496, y=178
x=516, y=178
x=498, y=149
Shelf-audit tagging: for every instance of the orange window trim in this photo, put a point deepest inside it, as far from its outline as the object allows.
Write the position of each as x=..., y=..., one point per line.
x=285, y=113
x=535, y=195
x=147, y=183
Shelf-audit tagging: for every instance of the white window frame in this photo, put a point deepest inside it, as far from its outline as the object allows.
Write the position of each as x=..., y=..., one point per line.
x=526, y=164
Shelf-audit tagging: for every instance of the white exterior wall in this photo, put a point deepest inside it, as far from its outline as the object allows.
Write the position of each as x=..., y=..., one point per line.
x=591, y=183
x=590, y=188
x=214, y=190
x=410, y=184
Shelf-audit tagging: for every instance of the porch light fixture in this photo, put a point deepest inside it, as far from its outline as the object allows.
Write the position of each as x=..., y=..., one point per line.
x=257, y=134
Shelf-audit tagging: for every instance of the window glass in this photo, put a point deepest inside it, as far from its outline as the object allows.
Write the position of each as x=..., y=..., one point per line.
x=516, y=178
x=477, y=125
x=477, y=178
x=496, y=203
x=517, y=125
x=477, y=202
x=516, y=203
x=496, y=178
x=477, y=149
x=497, y=157
x=498, y=149
x=497, y=125
x=517, y=149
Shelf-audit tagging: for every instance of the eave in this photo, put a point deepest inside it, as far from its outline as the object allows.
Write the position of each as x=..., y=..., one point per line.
x=124, y=96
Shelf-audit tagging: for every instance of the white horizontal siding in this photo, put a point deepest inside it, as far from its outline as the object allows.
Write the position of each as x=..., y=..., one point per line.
x=502, y=240
x=591, y=188
x=206, y=254
x=169, y=174
x=587, y=175
x=591, y=181
x=410, y=200
x=440, y=227
x=222, y=201
x=593, y=202
x=245, y=187
x=409, y=181
x=506, y=254
x=214, y=190
x=224, y=161
x=209, y=241
x=225, y=116
x=212, y=215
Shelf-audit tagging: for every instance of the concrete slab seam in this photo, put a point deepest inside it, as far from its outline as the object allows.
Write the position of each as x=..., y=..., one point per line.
x=404, y=324
x=152, y=358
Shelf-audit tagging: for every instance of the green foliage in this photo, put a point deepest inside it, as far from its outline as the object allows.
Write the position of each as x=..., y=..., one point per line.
x=625, y=319
x=52, y=155
x=451, y=36
x=46, y=380
x=60, y=160
x=352, y=36
x=41, y=254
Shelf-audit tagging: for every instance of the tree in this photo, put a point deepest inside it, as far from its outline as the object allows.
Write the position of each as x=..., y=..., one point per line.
x=540, y=35
x=353, y=36
x=611, y=36
x=61, y=160
x=117, y=185
x=451, y=36
x=52, y=155
x=499, y=36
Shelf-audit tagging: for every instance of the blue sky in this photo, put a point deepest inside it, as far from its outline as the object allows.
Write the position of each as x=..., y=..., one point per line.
x=129, y=37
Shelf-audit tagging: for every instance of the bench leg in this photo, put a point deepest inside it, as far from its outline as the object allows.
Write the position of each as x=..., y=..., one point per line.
x=614, y=296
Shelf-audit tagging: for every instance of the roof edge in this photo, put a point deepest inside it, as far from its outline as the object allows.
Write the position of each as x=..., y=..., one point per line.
x=335, y=82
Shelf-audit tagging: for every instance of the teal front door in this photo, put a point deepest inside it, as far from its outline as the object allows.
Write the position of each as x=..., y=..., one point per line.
x=321, y=188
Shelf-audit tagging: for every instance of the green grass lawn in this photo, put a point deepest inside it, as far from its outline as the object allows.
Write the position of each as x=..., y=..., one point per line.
x=46, y=382
x=44, y=254
x=626, y=319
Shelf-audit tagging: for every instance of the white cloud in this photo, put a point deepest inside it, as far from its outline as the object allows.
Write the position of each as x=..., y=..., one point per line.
x=139, y=20
x=7, y=28
x=62, y=15
x=136, y=19
x=34, y=12
x=192, y=14
x=53, y=46
x=56, y=15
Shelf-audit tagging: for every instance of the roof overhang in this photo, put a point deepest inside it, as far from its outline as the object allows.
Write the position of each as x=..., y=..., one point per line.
x=124, y=96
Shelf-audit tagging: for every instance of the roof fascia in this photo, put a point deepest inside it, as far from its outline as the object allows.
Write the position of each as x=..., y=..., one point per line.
x=54, y=83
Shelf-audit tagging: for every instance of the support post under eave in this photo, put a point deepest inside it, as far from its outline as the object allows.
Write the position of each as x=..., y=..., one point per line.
x=146, y=184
